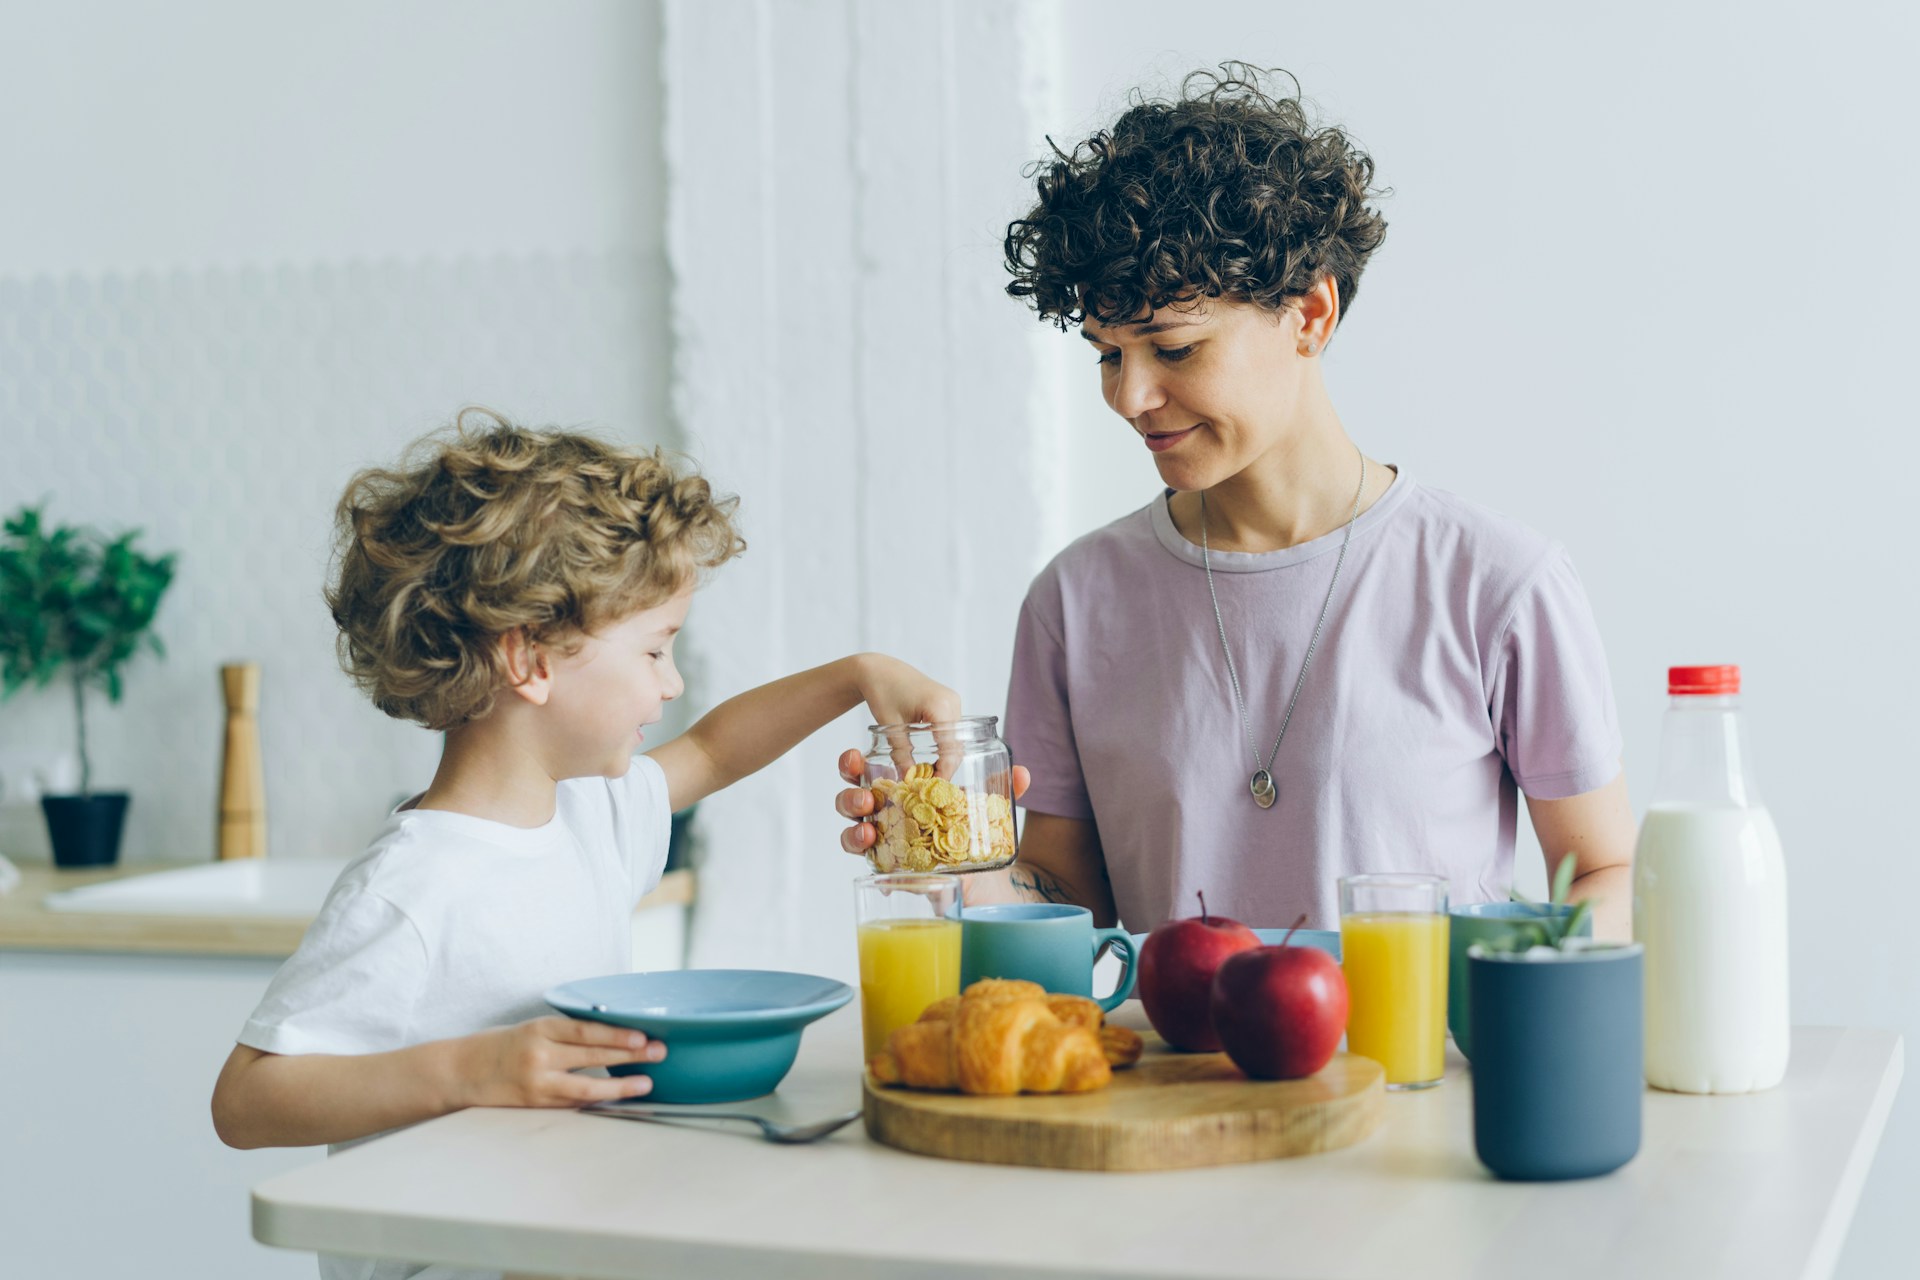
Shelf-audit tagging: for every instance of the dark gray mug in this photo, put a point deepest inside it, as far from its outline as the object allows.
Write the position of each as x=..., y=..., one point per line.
x=1557, y=1087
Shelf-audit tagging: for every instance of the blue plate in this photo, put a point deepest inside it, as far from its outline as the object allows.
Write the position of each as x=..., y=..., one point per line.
x=731, y=1034
x=1327, y=940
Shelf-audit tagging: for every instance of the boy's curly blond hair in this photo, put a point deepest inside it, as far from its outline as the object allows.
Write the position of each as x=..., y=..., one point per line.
x=490, y=528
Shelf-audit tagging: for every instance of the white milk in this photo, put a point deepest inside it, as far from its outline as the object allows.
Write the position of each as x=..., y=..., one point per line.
x=1710, y=908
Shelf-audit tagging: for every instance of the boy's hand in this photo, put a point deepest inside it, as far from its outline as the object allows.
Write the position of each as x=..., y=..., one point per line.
x=895, y=693
x=898, y=694
x=858, y=802
x=533, y=1064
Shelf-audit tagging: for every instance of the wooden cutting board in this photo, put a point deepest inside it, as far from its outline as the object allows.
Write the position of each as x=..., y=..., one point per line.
x=1168, y=1111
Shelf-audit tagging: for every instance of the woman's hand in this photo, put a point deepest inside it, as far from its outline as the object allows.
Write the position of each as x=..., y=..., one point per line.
x=859, y=804
x=533, y=1064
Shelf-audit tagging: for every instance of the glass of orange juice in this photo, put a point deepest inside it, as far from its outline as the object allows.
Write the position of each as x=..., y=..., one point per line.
x=1393, y=947
x=909, y=948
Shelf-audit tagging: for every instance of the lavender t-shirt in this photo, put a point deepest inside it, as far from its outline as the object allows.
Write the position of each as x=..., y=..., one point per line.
x=1460, y=658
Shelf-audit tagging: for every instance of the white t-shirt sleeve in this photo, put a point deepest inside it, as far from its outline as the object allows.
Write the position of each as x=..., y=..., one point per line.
x=642, y=823
x=352, y=985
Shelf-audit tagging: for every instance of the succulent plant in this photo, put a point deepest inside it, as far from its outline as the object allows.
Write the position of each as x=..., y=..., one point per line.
x=1549, y=929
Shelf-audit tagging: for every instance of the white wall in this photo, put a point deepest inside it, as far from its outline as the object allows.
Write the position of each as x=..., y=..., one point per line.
x=143, y=135
x=247, y=249
x=1648, y=285
x=840, y=174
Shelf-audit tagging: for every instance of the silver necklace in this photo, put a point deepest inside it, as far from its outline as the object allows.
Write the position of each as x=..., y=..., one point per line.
x=1264, y=792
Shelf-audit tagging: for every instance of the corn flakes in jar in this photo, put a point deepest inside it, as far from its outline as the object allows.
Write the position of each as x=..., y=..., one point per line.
x=944, y=794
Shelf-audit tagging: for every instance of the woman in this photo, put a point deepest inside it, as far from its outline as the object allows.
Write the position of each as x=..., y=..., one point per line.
x=1296, y=662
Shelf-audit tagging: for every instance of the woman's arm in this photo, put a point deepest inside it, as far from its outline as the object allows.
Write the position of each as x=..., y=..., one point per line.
x=1597, y=829
x=1060, y=861
x=747, y=733
x=303, y=1100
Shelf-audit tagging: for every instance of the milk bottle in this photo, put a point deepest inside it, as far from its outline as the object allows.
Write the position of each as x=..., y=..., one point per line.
x=1710, y=901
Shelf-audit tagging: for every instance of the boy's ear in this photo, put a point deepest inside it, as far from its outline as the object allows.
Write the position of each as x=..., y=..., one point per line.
x=529, y=673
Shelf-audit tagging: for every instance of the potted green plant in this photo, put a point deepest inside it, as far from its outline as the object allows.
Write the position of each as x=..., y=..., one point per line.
x=74, y=602
x=1549, y=926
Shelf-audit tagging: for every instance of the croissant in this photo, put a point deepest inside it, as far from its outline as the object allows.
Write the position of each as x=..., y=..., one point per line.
x=1121, y=1046
x=1000, y=1037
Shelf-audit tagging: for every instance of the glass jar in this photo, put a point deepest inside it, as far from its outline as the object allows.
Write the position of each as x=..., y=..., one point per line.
x=944, y=794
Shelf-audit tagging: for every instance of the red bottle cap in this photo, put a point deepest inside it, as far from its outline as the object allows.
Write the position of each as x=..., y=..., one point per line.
x=1703, y=681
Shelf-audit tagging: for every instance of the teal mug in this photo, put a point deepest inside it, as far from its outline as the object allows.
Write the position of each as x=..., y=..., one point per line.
x=1487, y=922
x=1051, y=943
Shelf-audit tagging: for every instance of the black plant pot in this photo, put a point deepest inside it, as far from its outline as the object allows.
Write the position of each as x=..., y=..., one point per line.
x=85, y=829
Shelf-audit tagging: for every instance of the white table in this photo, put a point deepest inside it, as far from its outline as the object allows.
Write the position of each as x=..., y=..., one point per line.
x=1762, y=1185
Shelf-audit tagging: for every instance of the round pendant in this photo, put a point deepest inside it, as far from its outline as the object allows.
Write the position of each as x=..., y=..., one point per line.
x=1262, y=787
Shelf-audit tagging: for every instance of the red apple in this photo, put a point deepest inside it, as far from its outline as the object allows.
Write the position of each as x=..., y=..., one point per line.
x=1280, y=1011
x=1177, y=963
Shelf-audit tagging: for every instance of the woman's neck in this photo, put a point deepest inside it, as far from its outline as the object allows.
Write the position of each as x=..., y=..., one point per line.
x=1297, y=491
x=483, y=773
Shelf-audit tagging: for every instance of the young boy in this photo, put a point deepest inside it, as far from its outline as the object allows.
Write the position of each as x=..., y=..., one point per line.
x=519, y=590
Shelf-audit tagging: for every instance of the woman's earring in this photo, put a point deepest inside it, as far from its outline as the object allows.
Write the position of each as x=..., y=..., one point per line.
x=1313, y=348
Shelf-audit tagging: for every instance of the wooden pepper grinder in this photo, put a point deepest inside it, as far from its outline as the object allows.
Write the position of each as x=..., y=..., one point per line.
x=243, y=793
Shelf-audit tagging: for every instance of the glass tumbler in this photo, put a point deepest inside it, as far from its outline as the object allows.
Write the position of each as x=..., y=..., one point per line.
x=944, y=796
x=1393, y=944
x=909, y=931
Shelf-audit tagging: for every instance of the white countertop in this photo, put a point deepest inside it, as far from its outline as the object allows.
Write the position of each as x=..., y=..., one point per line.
x=181, y=927
x=1754, y=1186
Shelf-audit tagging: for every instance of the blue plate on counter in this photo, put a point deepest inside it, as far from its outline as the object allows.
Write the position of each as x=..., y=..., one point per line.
x=1327, y=940
x=731, y=1034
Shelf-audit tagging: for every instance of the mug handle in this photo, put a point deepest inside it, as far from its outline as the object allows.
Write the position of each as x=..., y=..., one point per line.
x=1122, y=941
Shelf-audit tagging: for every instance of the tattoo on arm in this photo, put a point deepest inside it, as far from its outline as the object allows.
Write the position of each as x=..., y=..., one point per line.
x=1038, y=886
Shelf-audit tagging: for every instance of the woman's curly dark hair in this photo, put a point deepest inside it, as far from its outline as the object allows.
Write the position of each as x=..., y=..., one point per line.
x=1227, y=192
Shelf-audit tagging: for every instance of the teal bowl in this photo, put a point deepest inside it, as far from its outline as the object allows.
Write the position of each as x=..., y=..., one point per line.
x=1327, y=940
x=731, y=1034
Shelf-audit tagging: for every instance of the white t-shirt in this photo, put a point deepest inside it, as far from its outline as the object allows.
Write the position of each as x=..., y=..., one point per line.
x=450, y=924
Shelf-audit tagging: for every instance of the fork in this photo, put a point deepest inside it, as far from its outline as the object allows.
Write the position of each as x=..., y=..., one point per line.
x=783, y=1133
